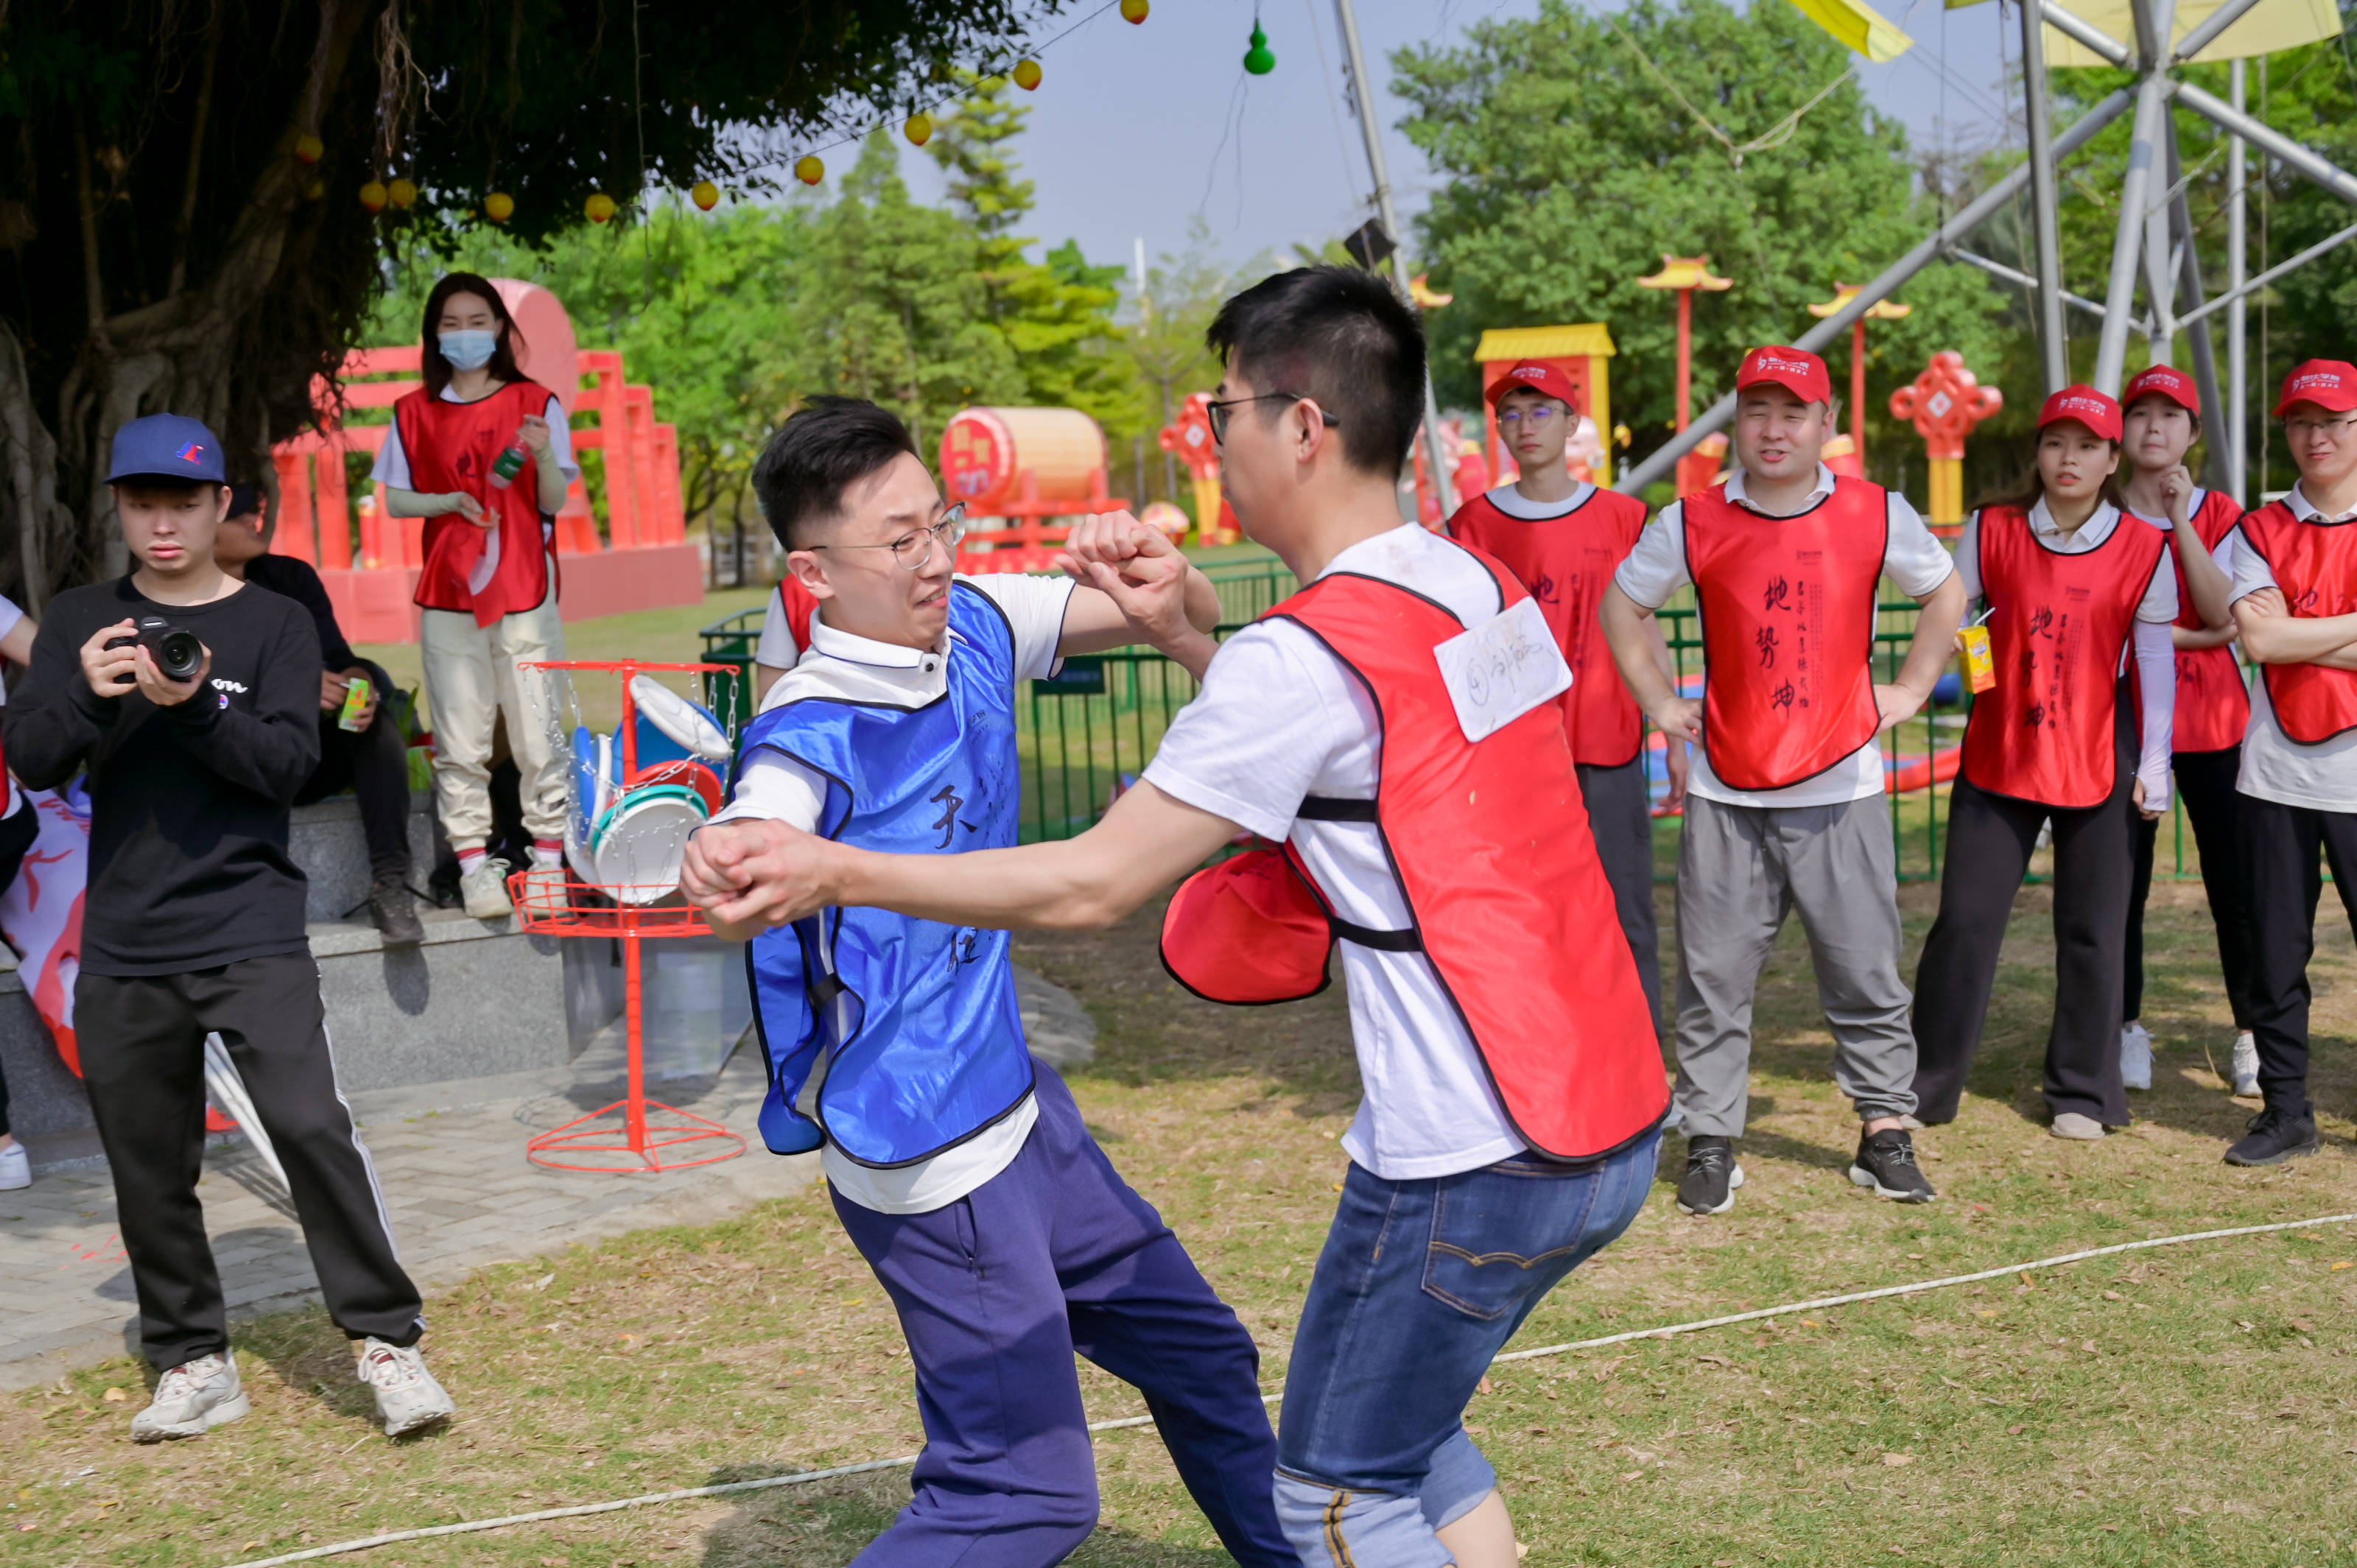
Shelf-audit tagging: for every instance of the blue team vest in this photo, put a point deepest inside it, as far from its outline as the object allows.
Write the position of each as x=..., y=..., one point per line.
x=931, y=1045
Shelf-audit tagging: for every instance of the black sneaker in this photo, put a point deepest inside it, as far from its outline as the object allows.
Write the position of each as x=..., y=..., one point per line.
x=1712, y=1176
x=1886, y=1163
x=2275, y=1135
x=394, y=909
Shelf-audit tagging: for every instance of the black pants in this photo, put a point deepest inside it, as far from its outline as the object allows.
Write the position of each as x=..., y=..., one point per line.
x=1989, y=841
x=1620, y=814
x=374, y=765
x=2205, y=782
x=143, y=1061
x=2279, y=846
x=19, y=829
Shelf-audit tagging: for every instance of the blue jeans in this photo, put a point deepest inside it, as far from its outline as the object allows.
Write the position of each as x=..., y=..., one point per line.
x=1421, y=1284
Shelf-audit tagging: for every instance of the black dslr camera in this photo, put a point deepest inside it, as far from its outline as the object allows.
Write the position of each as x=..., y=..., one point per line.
x=178, y=653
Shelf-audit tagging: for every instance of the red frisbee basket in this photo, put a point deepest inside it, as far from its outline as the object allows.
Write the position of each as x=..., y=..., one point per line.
x=634, y=1133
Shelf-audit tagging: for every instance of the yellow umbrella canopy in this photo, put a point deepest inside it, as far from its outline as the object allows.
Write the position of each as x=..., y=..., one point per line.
x=1861, y=28
x=2270, y=25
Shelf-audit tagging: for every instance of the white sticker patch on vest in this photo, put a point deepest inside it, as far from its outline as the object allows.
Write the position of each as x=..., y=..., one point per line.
x=1501, y=669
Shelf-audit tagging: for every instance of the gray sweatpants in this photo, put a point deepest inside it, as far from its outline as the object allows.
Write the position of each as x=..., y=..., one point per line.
x=1741, y=870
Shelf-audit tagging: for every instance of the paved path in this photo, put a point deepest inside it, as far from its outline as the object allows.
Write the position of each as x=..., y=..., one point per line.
x=451, y=1160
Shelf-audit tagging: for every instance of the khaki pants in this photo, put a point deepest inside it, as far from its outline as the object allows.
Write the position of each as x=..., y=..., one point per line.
x=470, y=680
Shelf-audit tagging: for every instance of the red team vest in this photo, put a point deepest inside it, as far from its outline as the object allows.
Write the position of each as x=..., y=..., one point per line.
x=450, y=447
x=1566, y=562
x=1787, y=607
x=2058, y=626
x=794, y=602
x=1498, y=866
x=2213, y=706
x=2314, y=564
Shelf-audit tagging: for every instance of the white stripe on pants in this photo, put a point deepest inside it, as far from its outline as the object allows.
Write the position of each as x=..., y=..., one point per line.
x=471, y=679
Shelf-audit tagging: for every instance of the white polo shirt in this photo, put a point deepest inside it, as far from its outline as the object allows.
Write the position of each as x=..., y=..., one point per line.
x=1279, y=718
x=1656, y=568
x=2322, y=777
x=777, y=788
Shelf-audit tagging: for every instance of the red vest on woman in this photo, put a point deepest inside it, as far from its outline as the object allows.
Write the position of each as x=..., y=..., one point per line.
x=1566, y=562
x=1498, y=866
x=1787, y=609
x=2214, y=705
x=2314, y=564
x=450, y=447
x=2058, y=626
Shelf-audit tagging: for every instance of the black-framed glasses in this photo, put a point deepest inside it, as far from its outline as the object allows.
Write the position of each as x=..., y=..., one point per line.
x=914, y=548
x=1216, y=411
x=2299, y=429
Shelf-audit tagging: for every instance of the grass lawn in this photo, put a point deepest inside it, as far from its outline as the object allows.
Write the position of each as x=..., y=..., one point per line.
x=2194, y=1405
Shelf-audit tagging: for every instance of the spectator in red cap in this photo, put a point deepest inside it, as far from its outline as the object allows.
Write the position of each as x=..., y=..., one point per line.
x=1785, y=808
x=1563, y=537
x=2295, y=600
x=2160, y=419
x=2071, y=581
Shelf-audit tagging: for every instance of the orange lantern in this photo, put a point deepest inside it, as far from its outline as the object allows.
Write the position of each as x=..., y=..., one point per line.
x=599, y=208
x=402, y=193
x=918, y=130
x=372, y=196
x=1027, y=75
x=1133, y=11
x=499, y=207
x=809, y=170
x=705, y=194
x=309, y=149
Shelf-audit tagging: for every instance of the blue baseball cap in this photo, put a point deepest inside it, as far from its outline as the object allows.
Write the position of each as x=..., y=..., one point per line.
x=168, y=446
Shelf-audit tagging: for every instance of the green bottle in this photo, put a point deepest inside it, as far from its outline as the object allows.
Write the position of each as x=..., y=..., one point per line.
x=507, y=465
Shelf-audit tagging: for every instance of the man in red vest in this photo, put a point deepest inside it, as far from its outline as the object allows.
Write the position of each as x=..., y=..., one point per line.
x=1393, y=726
x=2295, y=598
x=1785, y=808
x=1562, y=537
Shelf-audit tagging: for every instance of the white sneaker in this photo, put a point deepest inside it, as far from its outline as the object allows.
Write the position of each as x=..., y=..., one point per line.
x=407, y=1397
x=2136, y=1056
x=15, y=1168
x=2245, y=1071
x=2071, y=1125
x=485, y=890
x=191, y=1399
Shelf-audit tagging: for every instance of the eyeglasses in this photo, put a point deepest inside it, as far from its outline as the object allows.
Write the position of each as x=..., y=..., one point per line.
x=1216, y=411
x=1535, y=417
x=914, y=548
x=2332, y=429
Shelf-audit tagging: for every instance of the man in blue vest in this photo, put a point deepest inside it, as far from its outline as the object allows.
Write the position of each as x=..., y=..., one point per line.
x=959, y=1167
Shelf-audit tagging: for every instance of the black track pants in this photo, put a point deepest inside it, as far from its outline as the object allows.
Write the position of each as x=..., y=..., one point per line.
x=2205, y=782
x=2279, y=846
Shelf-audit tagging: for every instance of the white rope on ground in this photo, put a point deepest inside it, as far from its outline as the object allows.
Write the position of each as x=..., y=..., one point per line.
x=725, y=1489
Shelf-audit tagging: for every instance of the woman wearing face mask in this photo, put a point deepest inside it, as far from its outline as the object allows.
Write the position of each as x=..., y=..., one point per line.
x=485, y=456
x=2161, y=418
x=2070, y=581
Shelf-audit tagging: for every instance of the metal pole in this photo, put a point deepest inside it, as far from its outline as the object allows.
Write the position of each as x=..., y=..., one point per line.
x=2238, y=267
x=1443, y=481
x=2217, y=22
x=2019, y=279
x=2270, y=141
x=2054, y=348
x=2228, y=301
x=1969, y=217
x=2205, y=359
x=2086, y=33
x=2127, y=240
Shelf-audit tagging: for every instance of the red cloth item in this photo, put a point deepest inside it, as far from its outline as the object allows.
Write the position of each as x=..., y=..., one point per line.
x=1787, y=610
x=2097, y=411
x=1566, y=564
x=1250, y=931
x=798, y=605
x=2214, y=705
x=451, y=447
x=1498, y=867
x=2314, y=564
x=2058, y=626
x=2164, y=380
x=1796, y=370
x=2330, y=384
x=1536, y=376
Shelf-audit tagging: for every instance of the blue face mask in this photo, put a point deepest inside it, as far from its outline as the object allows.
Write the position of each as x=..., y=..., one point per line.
x=467, y=350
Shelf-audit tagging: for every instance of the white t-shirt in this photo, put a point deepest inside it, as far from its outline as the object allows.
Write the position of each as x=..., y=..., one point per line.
x=1656, y=568
x=392, y=470
x=855, y=668
x=2321, y=778
x=777, y=649
x=9, y=616
x=1280, y=718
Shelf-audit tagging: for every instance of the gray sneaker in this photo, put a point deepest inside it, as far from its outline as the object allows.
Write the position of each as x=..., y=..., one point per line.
x=2136, y=1056
x=2071, y=1125
x=2244, y=1073
x=191, y=1399
x=407, y=1397
x=484, y=890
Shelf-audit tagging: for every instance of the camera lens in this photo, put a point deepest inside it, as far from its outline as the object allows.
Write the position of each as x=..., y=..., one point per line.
x=179, y=654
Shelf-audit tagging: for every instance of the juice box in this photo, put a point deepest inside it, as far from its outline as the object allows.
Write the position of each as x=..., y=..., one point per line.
x=1980, y=667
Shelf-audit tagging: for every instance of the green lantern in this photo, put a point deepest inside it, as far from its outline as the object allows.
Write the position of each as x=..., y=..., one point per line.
x=1259, y=61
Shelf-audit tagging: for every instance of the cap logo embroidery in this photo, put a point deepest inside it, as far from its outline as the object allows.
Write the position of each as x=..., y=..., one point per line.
x=191, y=452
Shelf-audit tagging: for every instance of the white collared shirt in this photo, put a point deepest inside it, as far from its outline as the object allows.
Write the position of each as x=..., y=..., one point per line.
x=1656, y=569
x=2275, y=767
x=840, y=666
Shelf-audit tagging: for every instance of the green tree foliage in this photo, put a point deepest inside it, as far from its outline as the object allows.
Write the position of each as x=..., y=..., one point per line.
x=1574, y=159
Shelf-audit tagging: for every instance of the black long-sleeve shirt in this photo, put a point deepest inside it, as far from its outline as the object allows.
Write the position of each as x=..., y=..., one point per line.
x=294, y=579
x=188, y=863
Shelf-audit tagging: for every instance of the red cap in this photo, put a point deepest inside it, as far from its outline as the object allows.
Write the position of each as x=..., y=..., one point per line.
x=1538, y=378
x=2330, y=384
x=1795, y=370
x=2091, y=408
x=2161, y=381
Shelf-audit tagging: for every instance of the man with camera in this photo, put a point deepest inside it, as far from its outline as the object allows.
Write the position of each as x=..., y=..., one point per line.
x=192, y=698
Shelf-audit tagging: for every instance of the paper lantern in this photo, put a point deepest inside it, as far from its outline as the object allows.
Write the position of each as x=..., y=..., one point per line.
x=1133, y=11
x=316, y=189
x=918, y=130
x=599, y=207
x=309, y=149
x=809, y=170
x=372, y=196
x=706, y=194
x=402, y=193
x=1258, y=60
x=1027, y=75
x=499, y=207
